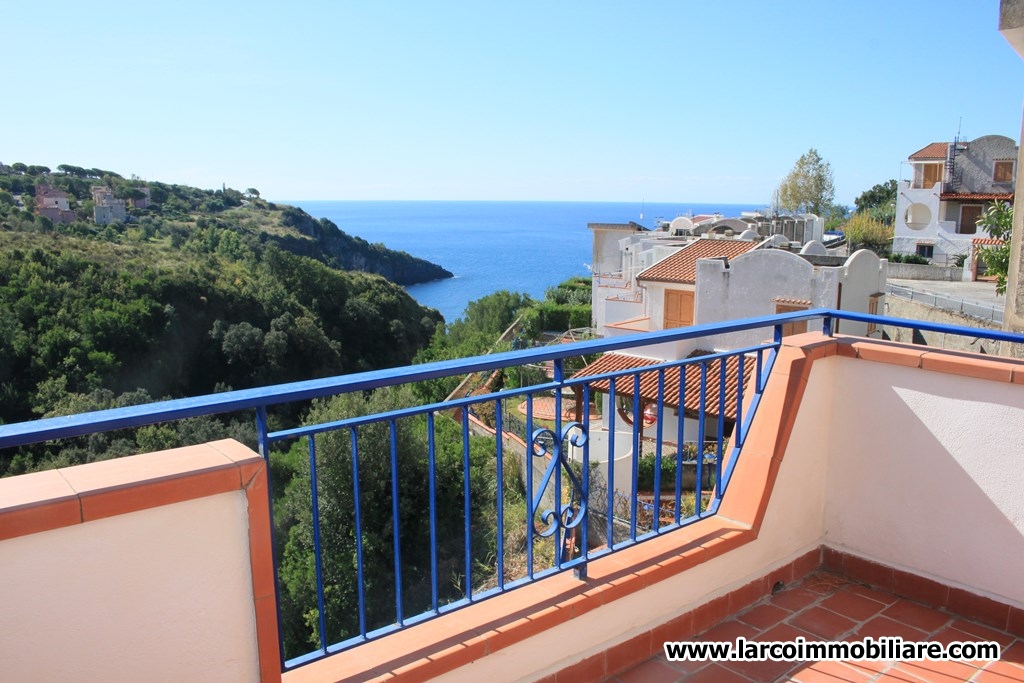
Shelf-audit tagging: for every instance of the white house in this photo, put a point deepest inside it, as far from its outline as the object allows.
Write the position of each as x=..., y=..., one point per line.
x=706, y=281
x=952, y=183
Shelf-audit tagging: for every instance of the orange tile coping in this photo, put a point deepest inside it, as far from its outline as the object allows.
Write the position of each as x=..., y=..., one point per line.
x=49, y=500
x=443, y=644
x=446, y=643
x=72, y=495
x=44, y=501
x=453, y=640
x=965, y=363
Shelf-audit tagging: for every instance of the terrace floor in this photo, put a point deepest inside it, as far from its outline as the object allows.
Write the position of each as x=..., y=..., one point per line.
x=826, y=606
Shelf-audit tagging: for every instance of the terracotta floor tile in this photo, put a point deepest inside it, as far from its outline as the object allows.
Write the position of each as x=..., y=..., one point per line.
x=830, y=672
x=785, y=632
x=949, y=634
x=979, y=632
x=916, y=615
x=853, y=606
x=822, y=622
x=684, y=668
x=716, y=673
x=939, y=672
x=878, y=596
x=794, y=599
x=651, y=671
x=761, y=672
x=884, y=626
x=873, y=667
x=1014, y=654
x=821, y=608
x=897, y=676
x=986, y=676
x=763, y=616
x=728, y=631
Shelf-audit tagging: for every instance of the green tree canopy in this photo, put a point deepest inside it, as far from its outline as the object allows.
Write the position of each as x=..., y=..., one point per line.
x=808, y=187
x=881, y=194
x=998, y=221
x=863, y=231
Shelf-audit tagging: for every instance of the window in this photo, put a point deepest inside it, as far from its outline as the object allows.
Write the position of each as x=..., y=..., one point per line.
x=1003, y=172
x=969, y=215
x=873, y=310
x=788, y=307
x=678, y=308
x=926, y=175
x=926, y=250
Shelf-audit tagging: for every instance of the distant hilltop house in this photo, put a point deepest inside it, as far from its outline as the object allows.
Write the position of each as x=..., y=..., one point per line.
x=107, y=208
x=53, y=204
x=952, y=184
x=140, y=202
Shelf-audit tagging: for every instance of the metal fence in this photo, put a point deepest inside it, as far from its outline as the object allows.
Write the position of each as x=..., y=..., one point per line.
x=974, y=309
x=412, y=516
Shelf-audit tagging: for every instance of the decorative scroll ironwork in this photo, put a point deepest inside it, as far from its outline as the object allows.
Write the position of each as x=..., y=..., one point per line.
x=562, y=518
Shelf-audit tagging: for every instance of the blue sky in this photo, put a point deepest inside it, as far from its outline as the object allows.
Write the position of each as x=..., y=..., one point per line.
x=675, y=100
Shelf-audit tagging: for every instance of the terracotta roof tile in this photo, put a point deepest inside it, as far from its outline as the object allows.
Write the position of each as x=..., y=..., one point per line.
x=681, y=266
x=792, y=302
x=624, y=384
x=936, y=150
x=986, y=242
x=978, y=196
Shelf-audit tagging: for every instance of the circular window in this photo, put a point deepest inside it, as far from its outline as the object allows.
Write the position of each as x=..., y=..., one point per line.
x=918, y=216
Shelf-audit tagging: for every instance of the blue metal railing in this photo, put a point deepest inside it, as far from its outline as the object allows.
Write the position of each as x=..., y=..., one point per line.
x=550, y=504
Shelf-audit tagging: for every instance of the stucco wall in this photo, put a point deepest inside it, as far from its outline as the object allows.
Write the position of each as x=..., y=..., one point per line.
x=161, y=594
x=921, y=475
x=792, y=525
x=975, y=164
x=749, y=285
x=915, y=271
x=893, y=464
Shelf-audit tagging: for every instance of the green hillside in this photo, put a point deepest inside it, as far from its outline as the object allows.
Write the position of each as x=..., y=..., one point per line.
x=199, y=292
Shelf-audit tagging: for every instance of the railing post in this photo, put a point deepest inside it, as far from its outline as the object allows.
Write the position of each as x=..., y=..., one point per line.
x=263, y=445
x=826, y=325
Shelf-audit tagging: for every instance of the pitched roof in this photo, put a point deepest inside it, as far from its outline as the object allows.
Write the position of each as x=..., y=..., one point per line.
x=978, y=196
x=936, y=150
x=624, y=385
x=681, y=266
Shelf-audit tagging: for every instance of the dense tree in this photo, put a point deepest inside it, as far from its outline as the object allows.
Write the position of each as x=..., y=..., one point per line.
x=879, y=202
x=337, y=518
x=998, y=221
x=835, y=216
x=808, y=187
x=181, y=302
x=864, y=232
x=473, y=334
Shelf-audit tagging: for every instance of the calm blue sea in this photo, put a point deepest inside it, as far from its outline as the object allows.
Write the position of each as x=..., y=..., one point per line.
x=490, y=246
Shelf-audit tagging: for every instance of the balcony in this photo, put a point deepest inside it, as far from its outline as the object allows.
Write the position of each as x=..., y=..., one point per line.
x=840, y=465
